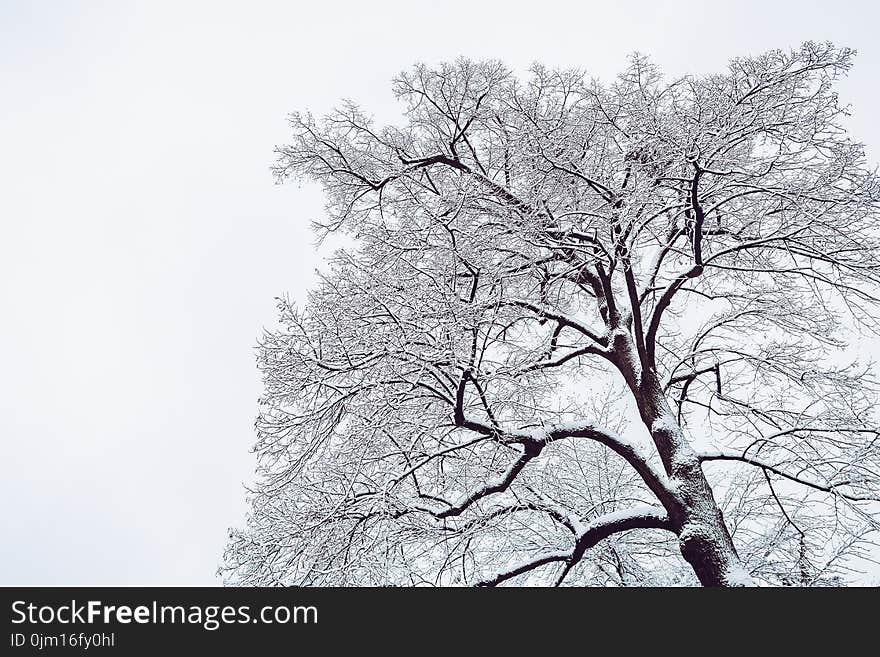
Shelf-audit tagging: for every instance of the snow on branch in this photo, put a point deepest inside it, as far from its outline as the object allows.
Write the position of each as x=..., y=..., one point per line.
x=645, y=517
x=827, y=487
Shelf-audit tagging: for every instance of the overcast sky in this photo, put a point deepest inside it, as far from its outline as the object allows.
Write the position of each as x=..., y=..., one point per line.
x=143, y=239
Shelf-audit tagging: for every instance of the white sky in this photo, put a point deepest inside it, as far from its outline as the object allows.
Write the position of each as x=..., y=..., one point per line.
x=143, y=240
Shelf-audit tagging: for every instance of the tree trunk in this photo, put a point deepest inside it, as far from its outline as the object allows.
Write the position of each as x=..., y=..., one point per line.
x=703, y=537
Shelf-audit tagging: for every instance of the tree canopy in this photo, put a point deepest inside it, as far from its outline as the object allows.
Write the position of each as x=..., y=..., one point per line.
x=588, y=333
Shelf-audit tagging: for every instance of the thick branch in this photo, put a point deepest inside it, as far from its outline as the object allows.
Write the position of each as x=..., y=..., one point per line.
x=662, y=305
x=564, y=320
x=645, y=517
x=630, y=452
x=494, y=486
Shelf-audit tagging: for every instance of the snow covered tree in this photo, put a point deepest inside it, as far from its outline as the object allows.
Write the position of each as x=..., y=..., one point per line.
x=535, y=263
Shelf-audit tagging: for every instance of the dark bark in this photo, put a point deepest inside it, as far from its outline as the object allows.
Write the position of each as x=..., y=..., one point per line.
x=704, y=539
